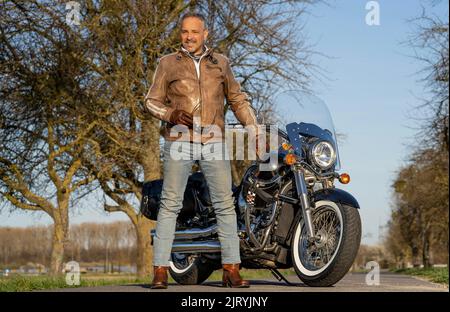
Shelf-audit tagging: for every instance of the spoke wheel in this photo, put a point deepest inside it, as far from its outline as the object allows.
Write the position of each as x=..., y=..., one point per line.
x=324, y=261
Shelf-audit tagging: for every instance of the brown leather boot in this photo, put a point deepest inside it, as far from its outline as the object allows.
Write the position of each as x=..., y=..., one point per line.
x=232, y=278
x=160, y=277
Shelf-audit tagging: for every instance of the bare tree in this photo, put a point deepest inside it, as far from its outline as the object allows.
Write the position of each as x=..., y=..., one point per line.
x=94, y=77
x=42, y=122
x=431, y=48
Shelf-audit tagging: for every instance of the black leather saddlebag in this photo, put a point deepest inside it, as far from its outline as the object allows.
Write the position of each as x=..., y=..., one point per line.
x=151, y=197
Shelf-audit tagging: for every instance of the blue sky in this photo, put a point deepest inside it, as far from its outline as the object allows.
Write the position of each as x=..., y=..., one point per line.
x=371, y=91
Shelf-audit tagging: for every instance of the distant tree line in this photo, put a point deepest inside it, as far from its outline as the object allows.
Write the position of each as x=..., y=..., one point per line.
x=101, y=244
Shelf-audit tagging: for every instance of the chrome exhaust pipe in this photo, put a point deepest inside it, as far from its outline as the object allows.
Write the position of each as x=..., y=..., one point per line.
x=192, y=247
x=193, y=233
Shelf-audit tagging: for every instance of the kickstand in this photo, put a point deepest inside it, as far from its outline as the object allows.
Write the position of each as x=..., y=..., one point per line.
x=280, y=277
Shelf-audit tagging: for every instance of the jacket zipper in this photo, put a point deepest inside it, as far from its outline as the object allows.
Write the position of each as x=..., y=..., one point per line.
x=200, y=91
x=199, y=86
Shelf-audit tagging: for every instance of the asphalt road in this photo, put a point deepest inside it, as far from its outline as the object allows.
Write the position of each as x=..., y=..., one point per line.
x=352, y=282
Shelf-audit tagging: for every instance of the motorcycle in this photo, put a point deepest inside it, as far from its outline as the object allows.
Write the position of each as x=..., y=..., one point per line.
x=291, y=216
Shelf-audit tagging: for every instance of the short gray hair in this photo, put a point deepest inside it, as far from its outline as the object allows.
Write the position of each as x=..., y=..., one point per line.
x=196, y=15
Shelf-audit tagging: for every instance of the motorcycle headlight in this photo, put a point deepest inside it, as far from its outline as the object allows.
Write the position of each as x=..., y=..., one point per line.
x=323, y=154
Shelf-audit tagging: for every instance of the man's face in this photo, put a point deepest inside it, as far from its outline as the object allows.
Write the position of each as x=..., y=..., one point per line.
x=193, y=34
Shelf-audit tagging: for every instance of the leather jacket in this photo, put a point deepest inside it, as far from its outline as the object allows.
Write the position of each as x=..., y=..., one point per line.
x=177, y=84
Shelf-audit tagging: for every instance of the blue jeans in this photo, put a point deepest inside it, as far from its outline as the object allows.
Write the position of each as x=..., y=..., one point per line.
x=217, y=171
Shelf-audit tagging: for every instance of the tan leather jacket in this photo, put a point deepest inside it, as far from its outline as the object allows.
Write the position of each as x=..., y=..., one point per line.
x=176, y=85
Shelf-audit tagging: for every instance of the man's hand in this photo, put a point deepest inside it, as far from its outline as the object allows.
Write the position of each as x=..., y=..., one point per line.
x=179, y=116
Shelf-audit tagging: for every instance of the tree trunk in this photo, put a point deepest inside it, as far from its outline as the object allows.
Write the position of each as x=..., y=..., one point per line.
x=150, y=160
x=58, y=246
x=426, y=250
x=415, y=256
x=60, y=233
x=234, y=172
x=144, y=248
x=448, y=257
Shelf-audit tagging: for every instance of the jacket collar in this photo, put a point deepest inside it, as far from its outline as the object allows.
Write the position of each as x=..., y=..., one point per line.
x=185, y=52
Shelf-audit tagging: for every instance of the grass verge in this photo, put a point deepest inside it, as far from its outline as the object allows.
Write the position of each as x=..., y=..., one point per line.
x=435, y=275
x=30, y=283
x=15, y=283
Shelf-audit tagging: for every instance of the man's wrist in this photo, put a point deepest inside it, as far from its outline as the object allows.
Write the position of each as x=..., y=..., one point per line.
x=168, y=113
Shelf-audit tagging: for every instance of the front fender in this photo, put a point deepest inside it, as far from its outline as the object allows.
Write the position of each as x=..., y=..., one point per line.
x=336, y=195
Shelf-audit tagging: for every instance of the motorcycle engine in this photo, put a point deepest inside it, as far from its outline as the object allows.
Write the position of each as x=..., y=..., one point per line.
x=257, y=209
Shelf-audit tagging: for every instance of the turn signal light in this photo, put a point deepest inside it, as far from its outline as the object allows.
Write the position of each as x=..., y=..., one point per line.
x=344, y=178
x=290, y=159
x=286, y=146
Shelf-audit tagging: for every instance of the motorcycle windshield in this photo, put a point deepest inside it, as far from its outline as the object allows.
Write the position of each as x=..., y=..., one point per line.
x=305, y=110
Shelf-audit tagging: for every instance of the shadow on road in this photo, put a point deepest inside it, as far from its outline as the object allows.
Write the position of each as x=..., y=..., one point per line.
x=218, y=284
